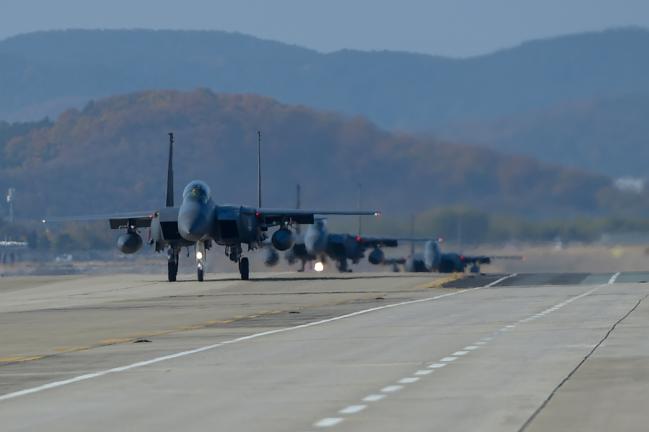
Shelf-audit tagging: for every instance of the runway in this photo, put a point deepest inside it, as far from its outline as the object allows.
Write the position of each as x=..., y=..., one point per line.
x=366, y=352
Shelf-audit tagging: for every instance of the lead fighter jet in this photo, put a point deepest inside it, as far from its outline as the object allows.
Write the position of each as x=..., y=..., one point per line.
x=200, y=222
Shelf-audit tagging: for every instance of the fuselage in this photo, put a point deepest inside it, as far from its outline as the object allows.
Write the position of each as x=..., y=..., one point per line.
x=433, y=260
x=200, y=219
x=317, y=244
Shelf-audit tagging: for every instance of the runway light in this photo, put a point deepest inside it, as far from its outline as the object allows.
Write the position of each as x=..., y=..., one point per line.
x=199, y=255
x=318, y=266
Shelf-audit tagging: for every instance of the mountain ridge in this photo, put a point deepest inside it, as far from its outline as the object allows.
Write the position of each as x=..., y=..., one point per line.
x=42, y=72
x=110, y=156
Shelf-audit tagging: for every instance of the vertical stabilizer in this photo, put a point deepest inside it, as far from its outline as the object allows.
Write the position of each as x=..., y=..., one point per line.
x=360, y=205
x=170, y=172
x=298, y=203
x=412, y=235
x=298, y=198
x=258, y=169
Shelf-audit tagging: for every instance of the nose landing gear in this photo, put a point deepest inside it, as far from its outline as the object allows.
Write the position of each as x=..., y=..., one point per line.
x=244, y=268
x=200, y=261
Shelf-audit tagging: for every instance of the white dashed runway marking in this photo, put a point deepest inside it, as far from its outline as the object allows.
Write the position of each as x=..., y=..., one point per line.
x=437, y=365
x=408, y=380
x=373, y=398
x=391, y=388
x=353, y=409
x=328, y=422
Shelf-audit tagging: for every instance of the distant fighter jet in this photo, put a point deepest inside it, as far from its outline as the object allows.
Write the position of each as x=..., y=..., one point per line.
x=432, y=259
x=318, y=245
x=200, y=222
x=10, y=250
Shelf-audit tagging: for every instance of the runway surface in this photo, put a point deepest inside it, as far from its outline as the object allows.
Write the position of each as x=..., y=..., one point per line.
x=287, y=352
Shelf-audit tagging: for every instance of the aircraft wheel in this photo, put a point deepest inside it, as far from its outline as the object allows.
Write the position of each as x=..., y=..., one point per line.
x=244, y=268
x=199, y=274
x=172, y=271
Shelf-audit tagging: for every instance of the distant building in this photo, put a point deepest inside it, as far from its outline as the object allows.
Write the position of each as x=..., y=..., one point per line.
x=630, y=184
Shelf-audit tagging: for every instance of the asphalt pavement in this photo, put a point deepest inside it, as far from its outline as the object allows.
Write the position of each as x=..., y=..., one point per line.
x=289, y=352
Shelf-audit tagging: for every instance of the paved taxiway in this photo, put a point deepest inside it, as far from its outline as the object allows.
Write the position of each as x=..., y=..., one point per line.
x=356, y=352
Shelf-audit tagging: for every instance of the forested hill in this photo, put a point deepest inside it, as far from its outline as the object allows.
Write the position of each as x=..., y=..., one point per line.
x=46, y=72
x=111, y=156
x=606, y=135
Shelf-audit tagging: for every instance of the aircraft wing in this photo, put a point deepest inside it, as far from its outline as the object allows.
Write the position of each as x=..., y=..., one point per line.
x=300, y=216
x=476, y=259
x=484, y=259
x=377, y=241
x=140, y=219
x=9, y=244
x=393, y=261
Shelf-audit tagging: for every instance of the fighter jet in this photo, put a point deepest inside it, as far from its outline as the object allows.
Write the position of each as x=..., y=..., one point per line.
x=319, y=245
x=200, y=222
x=10, y=250
x=432, y=259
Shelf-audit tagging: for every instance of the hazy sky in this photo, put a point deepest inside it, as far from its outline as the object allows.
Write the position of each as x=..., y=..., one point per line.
x=446, y=27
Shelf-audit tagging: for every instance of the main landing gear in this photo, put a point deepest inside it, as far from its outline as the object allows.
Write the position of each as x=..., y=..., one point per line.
x=342, y=266
x=234, y=253
x=244, y=268
x=172, y=264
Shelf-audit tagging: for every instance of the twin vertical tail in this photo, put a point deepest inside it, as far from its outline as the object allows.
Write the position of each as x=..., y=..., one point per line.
x=412, y=234
x=298, y=203
x=360, y=205
x=170, y=172
x=258, y=169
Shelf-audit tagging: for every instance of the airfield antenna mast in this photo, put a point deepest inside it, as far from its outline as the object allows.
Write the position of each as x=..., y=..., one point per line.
x=459, y=232
x=170, y=172
x=259, y=169
x=298, y=203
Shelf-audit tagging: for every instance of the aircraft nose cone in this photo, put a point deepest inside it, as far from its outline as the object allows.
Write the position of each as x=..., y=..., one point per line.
x=192, y=224
x=314, y=243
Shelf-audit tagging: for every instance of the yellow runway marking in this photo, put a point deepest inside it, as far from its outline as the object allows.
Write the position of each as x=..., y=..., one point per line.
x=129, y=339
x=19, y=359
x=438, y=283
x=114, y=341
x=204, y=325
